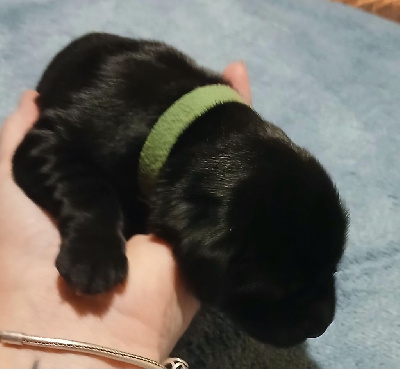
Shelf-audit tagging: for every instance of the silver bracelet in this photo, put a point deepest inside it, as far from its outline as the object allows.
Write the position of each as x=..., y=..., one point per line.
x=16, y=338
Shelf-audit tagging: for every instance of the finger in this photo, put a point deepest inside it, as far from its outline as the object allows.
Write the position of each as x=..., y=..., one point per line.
x=16, y=126
x=150, y=260
x=27, y=106
x=236, y=74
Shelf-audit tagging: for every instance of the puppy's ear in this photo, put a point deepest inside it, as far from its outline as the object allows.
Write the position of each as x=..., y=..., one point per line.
x=202, y=245
x=194, y=220
x=205, y=257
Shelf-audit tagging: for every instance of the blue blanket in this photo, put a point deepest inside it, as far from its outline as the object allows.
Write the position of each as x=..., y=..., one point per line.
x=330, y=77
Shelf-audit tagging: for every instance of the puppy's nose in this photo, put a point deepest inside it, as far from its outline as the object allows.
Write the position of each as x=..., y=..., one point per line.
x=316, y=330
x=319, y=322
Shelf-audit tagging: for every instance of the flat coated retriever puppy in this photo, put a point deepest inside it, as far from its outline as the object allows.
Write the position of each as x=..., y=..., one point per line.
x=255, y=222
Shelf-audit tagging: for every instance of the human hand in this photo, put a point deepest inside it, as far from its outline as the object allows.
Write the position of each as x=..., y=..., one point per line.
x=146, y=316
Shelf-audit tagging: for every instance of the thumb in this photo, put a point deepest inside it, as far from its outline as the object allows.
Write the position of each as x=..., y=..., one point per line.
x=16, y=126
x=236, y=74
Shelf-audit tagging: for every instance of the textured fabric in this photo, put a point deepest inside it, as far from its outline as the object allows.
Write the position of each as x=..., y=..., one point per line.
x=329, y=75
x=172, y=124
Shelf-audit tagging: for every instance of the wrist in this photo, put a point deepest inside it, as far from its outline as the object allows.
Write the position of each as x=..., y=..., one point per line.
x=82, y=330
x=13, y=357
x=85, y=331
x=63, y=316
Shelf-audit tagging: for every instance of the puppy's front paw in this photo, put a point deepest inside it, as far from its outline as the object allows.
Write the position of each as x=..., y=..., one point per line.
x=92, y=267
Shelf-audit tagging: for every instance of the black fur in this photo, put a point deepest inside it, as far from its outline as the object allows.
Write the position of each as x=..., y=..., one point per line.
x=255, y=222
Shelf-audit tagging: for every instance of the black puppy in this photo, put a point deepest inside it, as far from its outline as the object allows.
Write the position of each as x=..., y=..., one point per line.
x=256, y=224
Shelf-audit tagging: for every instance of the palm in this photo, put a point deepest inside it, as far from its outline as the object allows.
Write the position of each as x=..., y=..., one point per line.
x=28, y=237
x=30, y=241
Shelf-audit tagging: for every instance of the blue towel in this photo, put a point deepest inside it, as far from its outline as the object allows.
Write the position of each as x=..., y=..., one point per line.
x=327, y=74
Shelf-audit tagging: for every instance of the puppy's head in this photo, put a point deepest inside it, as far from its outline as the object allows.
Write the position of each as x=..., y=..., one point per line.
x=280, y=284
x=259, y=229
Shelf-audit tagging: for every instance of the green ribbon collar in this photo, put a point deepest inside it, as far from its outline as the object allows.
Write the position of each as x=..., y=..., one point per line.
x=172, y=123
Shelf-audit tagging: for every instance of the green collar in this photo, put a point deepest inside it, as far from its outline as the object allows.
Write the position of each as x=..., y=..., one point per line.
x=172, y=124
